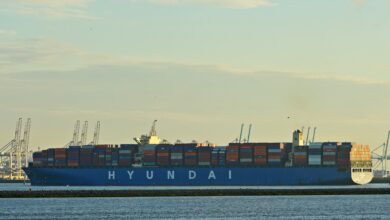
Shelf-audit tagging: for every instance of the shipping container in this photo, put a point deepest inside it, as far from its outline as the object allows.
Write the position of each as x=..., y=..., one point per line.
x=221, y=155
x=300, y=156
x=177, y=156
x=149, y=155
x=233, y=154
x=246, y=155
x=260, y=154
x=190, y=156
x=163, y=154
x=274, y=154
x=60, y=157
x=50, y=157
x=37, y=159
x=73, y=156
x=315, y=154
x=329, y=153
x=204, y=156
x=215, y=157
x=44, y=158
x=126, y=154
x=86, y=157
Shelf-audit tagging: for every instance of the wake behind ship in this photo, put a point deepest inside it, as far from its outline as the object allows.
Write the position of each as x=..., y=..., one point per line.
x=150, y=162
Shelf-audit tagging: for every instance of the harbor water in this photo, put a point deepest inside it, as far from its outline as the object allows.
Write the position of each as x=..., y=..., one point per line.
x=241, y=207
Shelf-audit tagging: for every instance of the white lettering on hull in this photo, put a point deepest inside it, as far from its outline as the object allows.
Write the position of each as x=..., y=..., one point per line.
x=130, y=174
x=111, y=175
x=171, y=175
x=211, y=175
x=149, y=174
x=191, y=174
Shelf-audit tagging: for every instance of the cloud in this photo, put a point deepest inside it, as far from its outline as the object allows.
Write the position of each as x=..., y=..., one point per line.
x=43, y=54
x=58, y=9
x=306, y=76
x=217, y=3
x=7, y=32
x=359, y=2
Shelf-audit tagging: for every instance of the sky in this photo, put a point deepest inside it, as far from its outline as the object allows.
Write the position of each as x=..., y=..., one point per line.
x=200, y=67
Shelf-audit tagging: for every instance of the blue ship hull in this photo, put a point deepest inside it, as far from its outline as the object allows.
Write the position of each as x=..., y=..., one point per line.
x=188, y=176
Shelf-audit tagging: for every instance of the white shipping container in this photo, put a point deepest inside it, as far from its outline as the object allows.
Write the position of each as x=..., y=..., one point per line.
x=315, y=160
x=315, y=145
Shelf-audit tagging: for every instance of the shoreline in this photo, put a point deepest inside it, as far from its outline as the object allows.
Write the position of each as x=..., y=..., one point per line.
x=189, y=192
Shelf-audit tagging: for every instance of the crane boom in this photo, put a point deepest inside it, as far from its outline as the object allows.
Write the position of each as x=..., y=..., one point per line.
x=96, y=134
x=84, y=134
x=76, y=133
x=249, y=133
x=242, y=127
x=314, y=134
x=153, y=129
x=307, y=136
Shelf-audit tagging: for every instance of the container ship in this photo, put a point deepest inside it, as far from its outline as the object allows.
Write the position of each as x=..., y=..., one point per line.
x=152, y=162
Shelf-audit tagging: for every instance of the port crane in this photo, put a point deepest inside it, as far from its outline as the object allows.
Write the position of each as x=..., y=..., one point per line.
x=84, y=134
x=96, y=134
x=78, y=140
x=15, y=154
x=245, y=140
x=380, y=157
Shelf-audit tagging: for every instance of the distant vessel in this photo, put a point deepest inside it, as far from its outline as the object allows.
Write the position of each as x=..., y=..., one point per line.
x=153, y=163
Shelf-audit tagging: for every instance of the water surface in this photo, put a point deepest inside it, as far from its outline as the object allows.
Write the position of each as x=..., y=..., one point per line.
x=251, y=207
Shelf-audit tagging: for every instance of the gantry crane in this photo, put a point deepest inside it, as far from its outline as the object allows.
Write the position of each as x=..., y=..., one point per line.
x=380, y=156
x=84, y=134
x=96, y=134
x=15, y=155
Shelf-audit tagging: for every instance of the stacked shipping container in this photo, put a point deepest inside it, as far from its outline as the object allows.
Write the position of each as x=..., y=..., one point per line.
x=60, y=157
x=232, y=154
x=126, y=154
x=274, y=154
x=149, y=155
x=246, y=154
x=204, y=156
x=260, y=154
x=73, y=156
x=300, y=155
x=329, y=153
x=177, y=158
x=343, y=155
x=190, y=156
x=315, y=154
x=163, y=157
x=37, y=159
x=86, y=153
x=221, y=156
